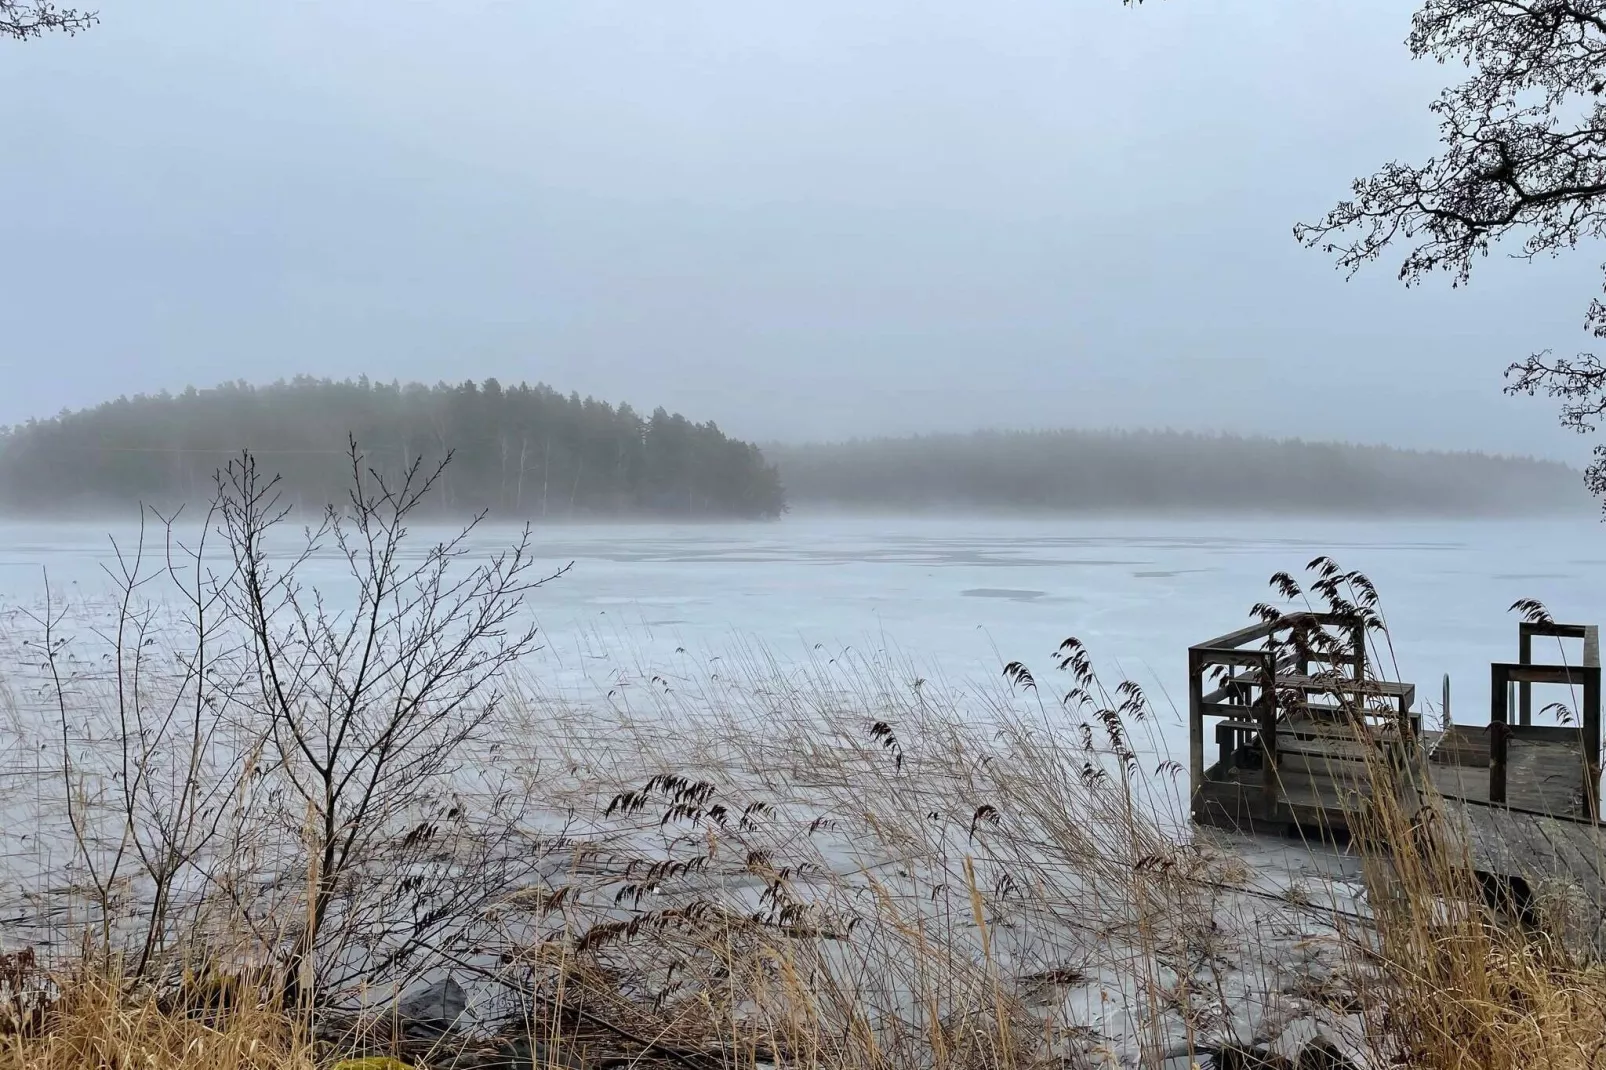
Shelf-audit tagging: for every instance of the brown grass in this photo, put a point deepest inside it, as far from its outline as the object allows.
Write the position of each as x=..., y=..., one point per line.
x=833, y=864
x=98, y=1022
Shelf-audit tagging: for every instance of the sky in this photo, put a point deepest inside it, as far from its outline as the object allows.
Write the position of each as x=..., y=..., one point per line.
x=799, y=220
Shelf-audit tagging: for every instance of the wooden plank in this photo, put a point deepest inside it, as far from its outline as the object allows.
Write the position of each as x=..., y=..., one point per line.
x=1339, y=748
x=1543, y=674
x=1309, y=789
x=1565, y=735
x=1525, y=690
x=1552, y=629
x=1247, y=634
x=1220, y=655
x=1268, y=741
x=1375, y=738
x=1461, y=782
x=1486, y=847
x=1532, y=854
x=1266, y=629
x=1569, y=841
x=1499, y=715
x=1344, y=684
x=1196, y=745
x=1543, y=776
x=1495, y=851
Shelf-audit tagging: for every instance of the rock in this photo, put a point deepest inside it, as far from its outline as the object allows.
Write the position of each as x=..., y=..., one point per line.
x=434, y=1009
x=1294, y=1038
x=1323, y=1054
x=1233, y=1057
x=522, y=1054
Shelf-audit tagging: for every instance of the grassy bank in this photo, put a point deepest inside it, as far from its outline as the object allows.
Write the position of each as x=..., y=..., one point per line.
x=247, y=826
x=833, y=865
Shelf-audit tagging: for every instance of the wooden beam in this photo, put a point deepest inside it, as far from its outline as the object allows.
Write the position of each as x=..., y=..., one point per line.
x=1559, y=631
x=1543, y=674
x=1591, y=726
x=1268, y=740
x=1243, y=635
x=1195, y=728
x=1266, y=628
x=1227, y=655
x=1499, y=676
x=1525, y=690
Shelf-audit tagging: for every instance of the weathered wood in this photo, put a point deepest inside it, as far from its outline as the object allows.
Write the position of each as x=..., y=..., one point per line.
x=1321, y=750
x=1543, y=674
x=1285, y=623
x=1196, y=768
x=1268, y=740
x=1498, y=675
x=1483, y=841
x=1511, y=795
x=1574, y=852
x=1554, y=629
x=1525, y=691
x=1591, y=723
x=1221, y=655
x=1340, y=684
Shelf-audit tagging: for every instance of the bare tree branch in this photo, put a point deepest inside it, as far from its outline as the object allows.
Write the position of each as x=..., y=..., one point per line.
x=1523, y=163
x=24, y=19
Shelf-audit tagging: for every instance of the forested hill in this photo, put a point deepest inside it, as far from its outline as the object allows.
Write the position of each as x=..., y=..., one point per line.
x=1094, y=471
x=521, y=451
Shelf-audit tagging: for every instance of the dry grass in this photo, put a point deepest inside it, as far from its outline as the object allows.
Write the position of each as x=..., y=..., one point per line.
x=97, y=1022
x=1461, y=986
x=833, y=863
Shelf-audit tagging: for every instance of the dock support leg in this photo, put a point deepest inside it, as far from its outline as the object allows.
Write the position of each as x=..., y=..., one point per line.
x=1591, y=719
x=1525, y=690
x=1498, y=718
x=1270, y=781
x=1195, y=730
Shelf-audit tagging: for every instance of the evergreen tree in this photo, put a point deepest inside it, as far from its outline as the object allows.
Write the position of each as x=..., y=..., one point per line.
x=521, y=452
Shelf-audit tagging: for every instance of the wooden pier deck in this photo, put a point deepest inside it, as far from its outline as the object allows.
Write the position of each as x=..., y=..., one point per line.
x=1303, y=751
x=1533, y=854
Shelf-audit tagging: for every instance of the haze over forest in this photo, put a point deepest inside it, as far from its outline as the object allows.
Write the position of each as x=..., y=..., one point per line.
x=522, y=451
x=805, y=222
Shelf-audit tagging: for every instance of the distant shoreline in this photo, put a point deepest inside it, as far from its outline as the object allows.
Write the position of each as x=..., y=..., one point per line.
x=118, y=514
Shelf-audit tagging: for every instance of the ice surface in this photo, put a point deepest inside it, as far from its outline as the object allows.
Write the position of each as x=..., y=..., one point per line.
x=950, y=595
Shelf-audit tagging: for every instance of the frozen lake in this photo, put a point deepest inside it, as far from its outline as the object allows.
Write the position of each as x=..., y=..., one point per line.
x=958, y=598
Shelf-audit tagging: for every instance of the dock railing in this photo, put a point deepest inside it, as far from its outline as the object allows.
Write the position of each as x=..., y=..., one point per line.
x=1525, y=672
x=1258, y=662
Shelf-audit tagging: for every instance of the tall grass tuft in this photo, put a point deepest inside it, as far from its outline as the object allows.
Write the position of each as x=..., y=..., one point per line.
x=246, y=848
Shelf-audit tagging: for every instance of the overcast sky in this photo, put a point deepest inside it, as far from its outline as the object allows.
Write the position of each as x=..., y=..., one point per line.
x=799, y=219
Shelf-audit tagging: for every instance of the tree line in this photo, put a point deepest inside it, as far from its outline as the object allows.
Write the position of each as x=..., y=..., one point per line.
x=523, y=451
x=1096, y=471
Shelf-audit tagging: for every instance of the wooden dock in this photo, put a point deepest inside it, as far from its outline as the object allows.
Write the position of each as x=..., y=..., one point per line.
x=1304, y=734
x=1531, y=855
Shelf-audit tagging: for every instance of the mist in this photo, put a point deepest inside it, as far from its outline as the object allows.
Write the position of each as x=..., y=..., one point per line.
x=1137, y=473
x=804, y=223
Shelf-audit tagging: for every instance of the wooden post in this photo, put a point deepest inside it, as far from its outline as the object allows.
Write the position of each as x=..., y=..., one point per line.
x=1498, y=714
x=1525, y=690
x=1268, y=738
x=1591, y=723
x=1358, y=638
x=1195, y=728
x=1444, y=711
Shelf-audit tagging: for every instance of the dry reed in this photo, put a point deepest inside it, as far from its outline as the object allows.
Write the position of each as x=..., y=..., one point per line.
x=833, y=862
